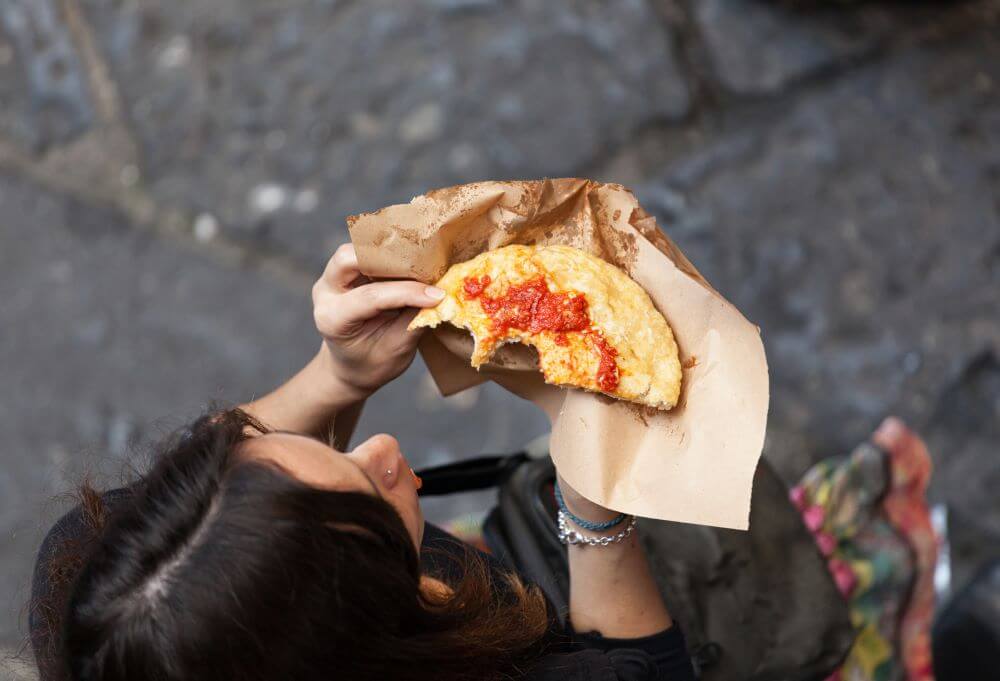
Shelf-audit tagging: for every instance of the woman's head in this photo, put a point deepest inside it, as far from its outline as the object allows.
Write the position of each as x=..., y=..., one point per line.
x=275, y=557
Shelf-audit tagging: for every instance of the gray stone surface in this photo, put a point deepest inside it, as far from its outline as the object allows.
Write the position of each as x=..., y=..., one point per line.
x=173, y=174
x=758, y=47
x=46, y=101
x=962, y=434
x=361, y=103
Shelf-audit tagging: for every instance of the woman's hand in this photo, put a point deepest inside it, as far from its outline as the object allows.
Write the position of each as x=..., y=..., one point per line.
x=365, y=345
x=363, y=323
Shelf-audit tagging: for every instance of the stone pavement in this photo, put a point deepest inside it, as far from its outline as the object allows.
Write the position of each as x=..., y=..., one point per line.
x=173, y=176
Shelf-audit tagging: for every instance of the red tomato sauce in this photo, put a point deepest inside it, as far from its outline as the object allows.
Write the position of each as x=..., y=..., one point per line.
x=608, y=374
x=531, y=306
x=474, y=287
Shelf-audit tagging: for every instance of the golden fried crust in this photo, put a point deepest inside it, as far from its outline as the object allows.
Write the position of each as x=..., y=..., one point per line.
x=619, y=309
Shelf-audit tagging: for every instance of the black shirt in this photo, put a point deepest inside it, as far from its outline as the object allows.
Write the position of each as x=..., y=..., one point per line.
x=574, y=655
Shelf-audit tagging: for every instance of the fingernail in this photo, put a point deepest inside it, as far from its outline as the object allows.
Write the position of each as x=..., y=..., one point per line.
x=434, y=292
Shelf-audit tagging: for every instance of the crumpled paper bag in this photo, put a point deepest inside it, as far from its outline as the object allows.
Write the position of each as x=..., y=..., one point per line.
x=692, y=464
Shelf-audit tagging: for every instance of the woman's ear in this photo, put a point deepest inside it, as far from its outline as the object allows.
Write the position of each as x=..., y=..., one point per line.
x=434, y=589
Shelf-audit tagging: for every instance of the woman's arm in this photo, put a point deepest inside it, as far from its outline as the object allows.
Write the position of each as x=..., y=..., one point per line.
x=365, y=345
x=314, y=402
x=612, y=590
x=344, y=425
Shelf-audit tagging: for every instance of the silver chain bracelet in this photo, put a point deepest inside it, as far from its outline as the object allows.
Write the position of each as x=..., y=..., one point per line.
x=567, y=535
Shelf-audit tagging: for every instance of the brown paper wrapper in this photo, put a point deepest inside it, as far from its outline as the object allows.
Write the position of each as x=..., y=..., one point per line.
x=692, y=464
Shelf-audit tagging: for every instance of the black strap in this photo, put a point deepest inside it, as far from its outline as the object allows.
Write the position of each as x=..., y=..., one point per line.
x=465, y=476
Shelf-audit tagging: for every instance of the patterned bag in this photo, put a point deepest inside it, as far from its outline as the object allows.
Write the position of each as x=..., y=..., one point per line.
x=868, y=514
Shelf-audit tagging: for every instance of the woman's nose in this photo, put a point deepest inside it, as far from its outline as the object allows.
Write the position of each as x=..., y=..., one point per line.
x=379, y=456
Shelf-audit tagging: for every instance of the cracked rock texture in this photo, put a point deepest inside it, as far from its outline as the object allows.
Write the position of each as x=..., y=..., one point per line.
x=375, y=101
x=173, y=175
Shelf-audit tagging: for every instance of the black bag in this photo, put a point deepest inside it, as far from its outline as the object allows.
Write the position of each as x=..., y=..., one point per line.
x=757, y=605
x=967, y=632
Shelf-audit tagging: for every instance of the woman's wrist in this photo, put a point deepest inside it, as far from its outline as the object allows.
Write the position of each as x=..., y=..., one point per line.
x=333, y=381
x=580, y=506
x=309, y=401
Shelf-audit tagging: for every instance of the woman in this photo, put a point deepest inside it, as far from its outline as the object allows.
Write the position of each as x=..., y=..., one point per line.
x=255, y=550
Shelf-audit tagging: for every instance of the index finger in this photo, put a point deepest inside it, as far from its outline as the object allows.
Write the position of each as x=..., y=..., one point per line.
x=340, y=315
x=343, y=268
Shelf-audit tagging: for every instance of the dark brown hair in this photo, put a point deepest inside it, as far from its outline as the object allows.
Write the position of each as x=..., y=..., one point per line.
x=219, y=567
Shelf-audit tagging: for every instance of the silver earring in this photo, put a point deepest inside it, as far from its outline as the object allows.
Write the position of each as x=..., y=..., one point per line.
x=388, y=471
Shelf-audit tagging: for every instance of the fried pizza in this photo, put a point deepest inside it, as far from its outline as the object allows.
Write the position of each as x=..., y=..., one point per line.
x=593, y=327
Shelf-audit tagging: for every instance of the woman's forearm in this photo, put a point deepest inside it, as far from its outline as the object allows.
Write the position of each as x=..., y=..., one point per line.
x=612, y=590
x=310, y=402
x=344, y=424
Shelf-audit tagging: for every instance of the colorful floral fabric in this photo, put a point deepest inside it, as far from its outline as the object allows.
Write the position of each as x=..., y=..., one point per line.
x=868, y=514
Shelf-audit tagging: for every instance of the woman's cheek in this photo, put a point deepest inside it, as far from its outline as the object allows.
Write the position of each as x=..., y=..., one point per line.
x=413, y=516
